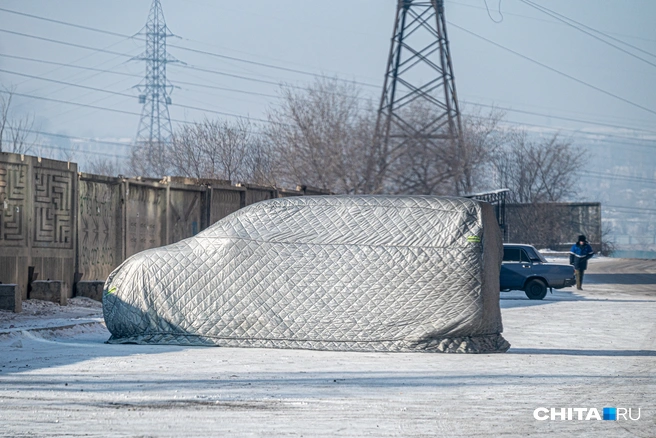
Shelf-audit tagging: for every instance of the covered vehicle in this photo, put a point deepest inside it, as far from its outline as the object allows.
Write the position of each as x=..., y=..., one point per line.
x=524, y=268
x=360, y=273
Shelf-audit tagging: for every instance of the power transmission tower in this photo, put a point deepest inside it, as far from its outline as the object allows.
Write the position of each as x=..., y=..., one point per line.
x=419, y=78
x=155, y=124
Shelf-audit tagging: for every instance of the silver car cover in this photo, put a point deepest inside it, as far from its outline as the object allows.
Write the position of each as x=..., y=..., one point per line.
x=357, y=273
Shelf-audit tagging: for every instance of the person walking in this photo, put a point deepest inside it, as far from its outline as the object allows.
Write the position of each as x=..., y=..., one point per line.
x=579, y=255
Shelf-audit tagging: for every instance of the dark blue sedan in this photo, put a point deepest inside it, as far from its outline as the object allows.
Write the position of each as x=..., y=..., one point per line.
x=524, y=268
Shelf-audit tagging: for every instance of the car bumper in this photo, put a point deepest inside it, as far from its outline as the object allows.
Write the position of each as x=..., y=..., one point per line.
x=569, y=282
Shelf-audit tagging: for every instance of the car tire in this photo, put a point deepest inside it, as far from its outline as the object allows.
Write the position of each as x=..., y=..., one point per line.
x=535, y=289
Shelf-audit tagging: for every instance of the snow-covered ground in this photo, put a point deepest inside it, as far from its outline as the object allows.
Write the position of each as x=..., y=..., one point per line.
x=576, y=349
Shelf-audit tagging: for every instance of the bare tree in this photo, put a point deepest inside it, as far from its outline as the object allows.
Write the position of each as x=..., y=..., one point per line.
x=482, y=138
x=324, y=137
x=538, y=171
x=260, y=162
x=5, y=104
x=419, y=164
x=608, y=244
x=539, y=174
x=104, y=166
x=150, y=159
x=15, y=132
x=213, y=149
x=541, y=224
x=430, y=165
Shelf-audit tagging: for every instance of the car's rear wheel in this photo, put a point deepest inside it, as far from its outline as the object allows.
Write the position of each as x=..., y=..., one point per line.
x=535, y=289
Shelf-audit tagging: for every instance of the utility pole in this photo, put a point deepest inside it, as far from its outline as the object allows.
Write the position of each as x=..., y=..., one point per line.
x=419, y=76
x=155, y=124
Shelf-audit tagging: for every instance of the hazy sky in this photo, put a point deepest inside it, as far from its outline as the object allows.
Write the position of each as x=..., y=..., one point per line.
x=348, y=38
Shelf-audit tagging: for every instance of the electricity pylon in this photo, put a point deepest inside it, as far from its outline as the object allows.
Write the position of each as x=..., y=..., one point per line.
x=419, y=78
x=155, y=124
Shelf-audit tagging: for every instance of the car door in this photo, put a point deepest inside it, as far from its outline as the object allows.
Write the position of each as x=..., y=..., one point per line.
x=538, y=266
x=515, y=267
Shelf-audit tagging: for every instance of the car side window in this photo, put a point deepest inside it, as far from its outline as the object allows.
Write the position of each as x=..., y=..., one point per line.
x=511, y=255
x=515, y=255
x=532, y=255
x=524, y=257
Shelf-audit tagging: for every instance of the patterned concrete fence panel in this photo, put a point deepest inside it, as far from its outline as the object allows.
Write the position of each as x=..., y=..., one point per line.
x=185, y=212
x=38, y=226
x=255, y=193
x=225, y=200
x=100, y=226
x=55, y=217
x=145, y=216
x=14, y=195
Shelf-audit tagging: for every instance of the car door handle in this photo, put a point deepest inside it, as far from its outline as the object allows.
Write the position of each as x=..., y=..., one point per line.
x=526, y=266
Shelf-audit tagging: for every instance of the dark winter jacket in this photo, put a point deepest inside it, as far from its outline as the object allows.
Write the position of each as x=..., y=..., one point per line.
x=579, y=255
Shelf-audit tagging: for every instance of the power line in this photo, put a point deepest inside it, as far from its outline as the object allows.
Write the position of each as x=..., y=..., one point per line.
x=274, y=96
x=201, y=69
x=638, y=179
x=259, y=56
x=129, y=56
x=581, y=27
x=220, y=112
x=121, y=94
x=569, y=119
x=72, y=137
x=550, y=128
x=258, y=119
x=217, y=55
x=490, y=15
x=63, y=64
x=29, y=96
x=41, y=78
x=262, y=64
x=633, y=209
x=270, y=82
x=65, y=23
x=295, y=70
x=601, y=90
x=73, y=151
x=551, y=21
x=51, y=40
x=232, y=75
x=277, y=97
x=192, y=84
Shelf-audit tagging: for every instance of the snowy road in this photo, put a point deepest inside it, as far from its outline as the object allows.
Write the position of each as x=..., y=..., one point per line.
x=591, y=349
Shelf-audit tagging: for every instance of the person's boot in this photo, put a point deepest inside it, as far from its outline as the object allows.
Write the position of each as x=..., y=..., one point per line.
x=577, y=273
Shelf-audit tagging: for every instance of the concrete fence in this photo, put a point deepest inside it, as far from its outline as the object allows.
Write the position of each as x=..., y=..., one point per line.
x=62, y=226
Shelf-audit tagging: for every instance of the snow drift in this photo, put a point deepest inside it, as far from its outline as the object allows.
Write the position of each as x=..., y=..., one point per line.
x=360, y=273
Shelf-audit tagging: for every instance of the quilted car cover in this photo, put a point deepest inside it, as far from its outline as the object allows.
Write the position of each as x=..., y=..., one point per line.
x=361, y=273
